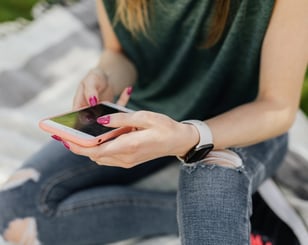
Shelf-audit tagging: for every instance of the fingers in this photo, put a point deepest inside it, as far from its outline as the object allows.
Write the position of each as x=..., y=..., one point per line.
x=93, y=88
x=101, y=154
x=79, y=100
x=84, y=151
x=96, y=84
x=125, y=95
x=139, y=119
x=118, y=152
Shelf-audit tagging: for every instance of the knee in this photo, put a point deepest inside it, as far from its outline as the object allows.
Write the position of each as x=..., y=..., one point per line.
x=220, y=174
x=15, y=197
x=22, y=232
x=18, y=190
x=20, y=177
x=226, y=158
x=17, y=230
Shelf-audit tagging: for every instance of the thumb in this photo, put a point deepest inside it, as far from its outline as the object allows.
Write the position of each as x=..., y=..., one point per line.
x=125, y=95
x=138, y=119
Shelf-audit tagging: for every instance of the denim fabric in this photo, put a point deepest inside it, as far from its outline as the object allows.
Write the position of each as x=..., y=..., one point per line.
x=75, y=201
x=214, y=202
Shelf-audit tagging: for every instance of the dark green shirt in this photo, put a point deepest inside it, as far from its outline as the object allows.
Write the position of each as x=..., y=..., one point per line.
x=177, y=77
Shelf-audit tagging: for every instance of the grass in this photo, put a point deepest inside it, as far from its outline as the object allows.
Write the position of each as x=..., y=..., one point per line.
x=304, y=99
x=13, y=9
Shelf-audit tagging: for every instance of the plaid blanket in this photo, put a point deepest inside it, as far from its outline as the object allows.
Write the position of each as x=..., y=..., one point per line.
x=40, y=67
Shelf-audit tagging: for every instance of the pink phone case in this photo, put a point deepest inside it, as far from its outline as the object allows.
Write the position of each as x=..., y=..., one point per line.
x=79, y=137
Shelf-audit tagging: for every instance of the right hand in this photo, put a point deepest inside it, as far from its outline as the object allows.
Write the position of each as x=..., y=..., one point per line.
x=95, y=87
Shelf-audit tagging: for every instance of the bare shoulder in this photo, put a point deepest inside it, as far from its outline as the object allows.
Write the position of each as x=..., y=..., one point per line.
x=289, y=24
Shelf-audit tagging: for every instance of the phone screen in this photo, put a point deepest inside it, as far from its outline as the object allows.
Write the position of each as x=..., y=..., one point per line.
x=85, y=119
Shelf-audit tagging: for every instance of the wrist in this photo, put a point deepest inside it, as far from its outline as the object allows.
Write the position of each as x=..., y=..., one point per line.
x=190, y=138
x=204, y=144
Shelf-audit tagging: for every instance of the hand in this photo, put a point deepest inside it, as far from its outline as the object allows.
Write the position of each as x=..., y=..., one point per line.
x=92, y=89
x=96, y=87
x=155, y=135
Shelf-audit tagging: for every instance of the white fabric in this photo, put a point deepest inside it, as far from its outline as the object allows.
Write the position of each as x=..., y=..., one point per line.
x=19, y=131
x=42, y=34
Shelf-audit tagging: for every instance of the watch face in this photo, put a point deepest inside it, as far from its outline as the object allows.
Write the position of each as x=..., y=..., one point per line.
x=197, y=154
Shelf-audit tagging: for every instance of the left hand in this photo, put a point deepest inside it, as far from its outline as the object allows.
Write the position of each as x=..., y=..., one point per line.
x=156, y=135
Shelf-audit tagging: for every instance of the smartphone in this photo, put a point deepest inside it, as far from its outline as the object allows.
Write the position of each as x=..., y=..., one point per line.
x=80, y=126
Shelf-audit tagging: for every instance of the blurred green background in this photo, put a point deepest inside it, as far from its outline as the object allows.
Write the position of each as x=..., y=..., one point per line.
x=13, y=9
x=304, y=100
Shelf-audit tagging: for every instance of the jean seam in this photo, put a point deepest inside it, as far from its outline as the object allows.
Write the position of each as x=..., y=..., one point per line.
x=53, y=181
x=249, y=208
x=138, y=202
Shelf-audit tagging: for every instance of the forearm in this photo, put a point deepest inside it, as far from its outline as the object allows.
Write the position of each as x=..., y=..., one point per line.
x=250, y=123
x=120, y=71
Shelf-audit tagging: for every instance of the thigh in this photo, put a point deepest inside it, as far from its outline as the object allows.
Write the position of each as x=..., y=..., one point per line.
x=214, y=201
x=55, y=161
x=55, y=173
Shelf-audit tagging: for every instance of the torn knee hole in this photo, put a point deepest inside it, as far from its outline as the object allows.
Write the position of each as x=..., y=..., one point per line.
x=22, y=232
x=226, y=158
x=20, y=177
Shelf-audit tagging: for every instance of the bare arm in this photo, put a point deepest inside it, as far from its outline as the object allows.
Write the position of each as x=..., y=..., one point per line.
x=114, y=73
x=283, y=63
x=120, y=71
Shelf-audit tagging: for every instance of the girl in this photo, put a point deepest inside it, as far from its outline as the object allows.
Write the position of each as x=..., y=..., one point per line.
x=233, y=70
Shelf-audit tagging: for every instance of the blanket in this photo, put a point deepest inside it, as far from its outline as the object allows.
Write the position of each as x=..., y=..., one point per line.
x=40, y=67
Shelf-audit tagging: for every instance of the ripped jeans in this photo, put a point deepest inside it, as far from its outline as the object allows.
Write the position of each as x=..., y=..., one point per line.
x=66, y=199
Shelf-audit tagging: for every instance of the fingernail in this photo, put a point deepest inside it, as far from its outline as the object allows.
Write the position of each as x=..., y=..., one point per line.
x=129, y=90
x=56, y=137
x=93, y=101
x=66, y=145
x=103, y=120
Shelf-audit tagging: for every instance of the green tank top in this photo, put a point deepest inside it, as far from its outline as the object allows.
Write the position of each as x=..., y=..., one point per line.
x=177, y=77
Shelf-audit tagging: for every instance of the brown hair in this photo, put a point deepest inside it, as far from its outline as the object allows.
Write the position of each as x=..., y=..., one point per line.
x=134, y=14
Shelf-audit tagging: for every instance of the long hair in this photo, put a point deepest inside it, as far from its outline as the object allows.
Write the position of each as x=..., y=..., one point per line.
x=134, y=15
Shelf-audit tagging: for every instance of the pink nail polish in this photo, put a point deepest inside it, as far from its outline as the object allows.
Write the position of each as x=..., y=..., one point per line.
x=93, y=101
x=56, y=137
x=66, y=145
x=129, y=90
x=103, y=120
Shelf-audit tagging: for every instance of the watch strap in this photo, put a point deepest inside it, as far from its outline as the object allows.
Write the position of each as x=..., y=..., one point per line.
x=204, y=146
x=205, y=133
